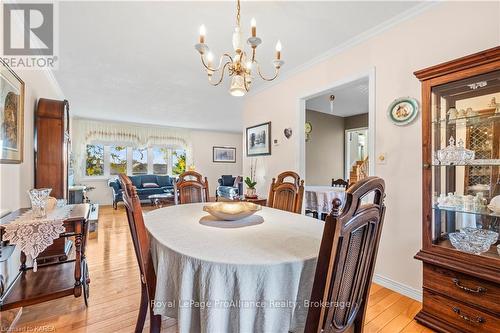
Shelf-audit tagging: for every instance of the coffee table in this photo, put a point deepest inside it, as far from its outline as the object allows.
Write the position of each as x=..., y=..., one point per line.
x=162, y=199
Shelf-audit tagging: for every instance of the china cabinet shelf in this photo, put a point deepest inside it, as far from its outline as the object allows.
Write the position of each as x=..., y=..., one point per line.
x=464, y=121
x=491, y=253
x=485, y=211
x=493, y=163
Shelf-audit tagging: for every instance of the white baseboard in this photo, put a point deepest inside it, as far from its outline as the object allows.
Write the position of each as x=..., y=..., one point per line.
x=400, y=288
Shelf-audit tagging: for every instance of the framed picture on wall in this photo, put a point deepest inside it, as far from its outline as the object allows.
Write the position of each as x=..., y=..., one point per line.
x=258, y=140
x=11, y=115
x=224, y=154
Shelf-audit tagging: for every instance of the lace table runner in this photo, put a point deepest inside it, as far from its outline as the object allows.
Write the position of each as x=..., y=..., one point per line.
x=33, y=235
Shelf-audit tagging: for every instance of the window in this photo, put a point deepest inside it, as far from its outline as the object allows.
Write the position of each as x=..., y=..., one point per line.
x=160, y=160
x=117, y=160
x=94, y=163
x=178, y=161
x=139, y=161
x=103, y=160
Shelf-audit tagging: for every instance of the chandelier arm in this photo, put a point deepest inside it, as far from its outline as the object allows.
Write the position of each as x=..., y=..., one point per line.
x=220, y=62
x=221, y=75
x=245, y=82
x=276, y=72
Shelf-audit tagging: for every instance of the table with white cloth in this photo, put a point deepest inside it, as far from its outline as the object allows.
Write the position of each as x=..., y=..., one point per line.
x=253, y=275
x=319, y=198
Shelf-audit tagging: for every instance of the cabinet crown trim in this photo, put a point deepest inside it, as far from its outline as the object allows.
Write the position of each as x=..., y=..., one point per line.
x=448, y=67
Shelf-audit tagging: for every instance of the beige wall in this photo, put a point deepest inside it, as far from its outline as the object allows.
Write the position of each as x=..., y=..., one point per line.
x=202, y=141
x=325, y=149
x=429, y=38
x=17, y=179
x=357, y=121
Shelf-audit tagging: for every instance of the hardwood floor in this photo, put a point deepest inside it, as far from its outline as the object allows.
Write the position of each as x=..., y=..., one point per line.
x=115, y=293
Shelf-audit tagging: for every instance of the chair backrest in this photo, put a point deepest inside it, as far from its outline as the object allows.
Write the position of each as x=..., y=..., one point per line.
x=347, y=259
x=286, y=195
x=140, y=237
x=340, y=182
x=191, y=188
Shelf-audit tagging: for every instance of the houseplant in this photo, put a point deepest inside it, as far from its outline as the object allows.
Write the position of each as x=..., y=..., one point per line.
x=250, y=181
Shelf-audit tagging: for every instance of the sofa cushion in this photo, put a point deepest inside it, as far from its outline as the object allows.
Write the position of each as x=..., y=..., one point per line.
x=150, y=185
x=145, y=192
x=164, y=181
x=148, y=179
x=227, y=191
x=227, y=180
x=136, y=181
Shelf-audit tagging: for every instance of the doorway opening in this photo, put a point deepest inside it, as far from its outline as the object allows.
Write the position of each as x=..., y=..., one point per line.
x=356, y=151
x=338, y=139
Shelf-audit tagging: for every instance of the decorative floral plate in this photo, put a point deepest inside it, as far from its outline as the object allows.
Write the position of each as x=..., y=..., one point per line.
x=403, y=111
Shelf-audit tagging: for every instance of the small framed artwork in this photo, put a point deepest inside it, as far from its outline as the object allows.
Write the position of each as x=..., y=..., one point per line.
x=224, y=154
x=259, y=140
x=403, y=111
x=11, y=115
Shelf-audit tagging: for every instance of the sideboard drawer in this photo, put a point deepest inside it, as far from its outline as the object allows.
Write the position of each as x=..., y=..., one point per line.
x=463, y=287
x=456, y=314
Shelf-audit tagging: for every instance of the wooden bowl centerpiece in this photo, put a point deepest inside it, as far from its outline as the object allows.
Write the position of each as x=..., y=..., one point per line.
x=231, y=211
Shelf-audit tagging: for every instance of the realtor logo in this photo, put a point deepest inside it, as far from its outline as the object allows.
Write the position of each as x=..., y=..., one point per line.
x=28, y=35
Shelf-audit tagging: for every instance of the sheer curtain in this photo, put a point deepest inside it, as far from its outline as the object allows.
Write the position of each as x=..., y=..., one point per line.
x=84, y=131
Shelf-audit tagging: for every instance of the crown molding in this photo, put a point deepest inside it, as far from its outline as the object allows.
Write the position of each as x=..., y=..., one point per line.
x=49, y=74
x=358, y=39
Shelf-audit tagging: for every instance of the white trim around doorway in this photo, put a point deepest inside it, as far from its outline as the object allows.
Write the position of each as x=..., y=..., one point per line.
x=301, y=114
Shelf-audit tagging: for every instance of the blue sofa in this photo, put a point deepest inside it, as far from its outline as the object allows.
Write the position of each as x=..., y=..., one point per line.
x=227, y=189
x=164, y=184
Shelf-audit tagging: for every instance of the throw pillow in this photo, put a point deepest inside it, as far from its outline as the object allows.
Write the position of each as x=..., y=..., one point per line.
x=150, y=185
x=237, y=181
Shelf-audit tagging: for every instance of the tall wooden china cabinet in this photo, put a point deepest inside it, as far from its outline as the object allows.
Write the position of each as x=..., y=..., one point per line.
x=461, y=161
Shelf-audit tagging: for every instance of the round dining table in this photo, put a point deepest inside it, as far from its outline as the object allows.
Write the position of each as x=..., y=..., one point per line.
x=251, y=275
x=320, y=198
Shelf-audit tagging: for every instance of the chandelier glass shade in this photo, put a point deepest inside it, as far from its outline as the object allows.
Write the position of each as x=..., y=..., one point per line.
x=238, y=65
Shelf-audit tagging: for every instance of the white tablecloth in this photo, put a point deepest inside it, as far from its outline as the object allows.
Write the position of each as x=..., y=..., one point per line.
x=251, y=278
x=319, y=198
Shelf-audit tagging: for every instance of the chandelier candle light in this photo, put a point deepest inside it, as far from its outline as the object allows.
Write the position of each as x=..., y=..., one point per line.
x=239, y=66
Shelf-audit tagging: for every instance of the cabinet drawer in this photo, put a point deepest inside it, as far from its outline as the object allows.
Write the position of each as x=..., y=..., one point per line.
x=463, y=287
x=456, y=314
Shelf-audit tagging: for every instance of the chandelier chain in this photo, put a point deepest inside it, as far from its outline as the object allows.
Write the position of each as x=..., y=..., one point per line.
x=238, y=14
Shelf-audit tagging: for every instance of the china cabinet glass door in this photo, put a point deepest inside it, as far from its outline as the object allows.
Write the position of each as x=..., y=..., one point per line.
x=466, y=164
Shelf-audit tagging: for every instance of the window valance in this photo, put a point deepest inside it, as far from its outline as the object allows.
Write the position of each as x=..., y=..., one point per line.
x=85, y=131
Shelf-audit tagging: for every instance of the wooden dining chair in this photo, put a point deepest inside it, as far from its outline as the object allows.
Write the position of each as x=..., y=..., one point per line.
x=191, y=188
x=140, y=239
x=340, y=182
x=346, y=260
x=286, y=195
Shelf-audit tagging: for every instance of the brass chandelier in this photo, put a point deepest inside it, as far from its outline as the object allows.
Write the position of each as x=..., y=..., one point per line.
x=238, y=66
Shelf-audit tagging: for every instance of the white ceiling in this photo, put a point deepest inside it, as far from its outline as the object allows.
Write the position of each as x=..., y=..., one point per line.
x=135, y=61
x=350, y=99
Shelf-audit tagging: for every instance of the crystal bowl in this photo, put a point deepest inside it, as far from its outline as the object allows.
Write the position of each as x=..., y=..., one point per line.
x=482, y=234
x=468, y=243
x=231, y=211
